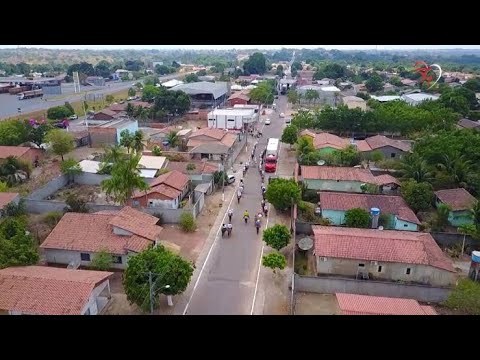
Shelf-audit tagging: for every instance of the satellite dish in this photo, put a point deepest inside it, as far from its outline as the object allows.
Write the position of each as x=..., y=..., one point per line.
x=321, y=162
x=306, y=243
x=380, y=228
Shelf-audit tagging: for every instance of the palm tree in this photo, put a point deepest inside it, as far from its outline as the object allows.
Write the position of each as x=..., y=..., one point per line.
x=126, y=139
x=475, y=211
x=173, y=139
x=457, y=167
x=113, y=154
x=124, y=180
x=315, y=97
x=414, y=167
x=138, y=144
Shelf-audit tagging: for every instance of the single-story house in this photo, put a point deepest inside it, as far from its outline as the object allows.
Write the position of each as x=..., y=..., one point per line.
x=328, y=143
x=388, y=87
x=78, y=237
x=408, y=82
x=326, y=94
x=468, y=124
x=334, y=205
x=106, y=114
x=195, y=170
x=391, y=149
x=212, y=144
x=109, y=132
x=305, y=77
x=387, y=255
x=417, y=98
x=353, y=102
x=152, y=162
x=117, y=108
x=24, y=153
x=8, y=197
x=42, y=290
x=166, y=191
x=359, y=88
x=354, y=304
x=343, y=179
x=460, y=202
x=238, y=98
x=160, y=136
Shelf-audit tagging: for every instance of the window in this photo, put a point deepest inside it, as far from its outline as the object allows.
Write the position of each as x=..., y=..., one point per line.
x=84, y=257
x=392, y=155
x=379, y=268
x=405, y=225
x=361, y=265
x=408, y=271
x=117, y=259
x=338, y=180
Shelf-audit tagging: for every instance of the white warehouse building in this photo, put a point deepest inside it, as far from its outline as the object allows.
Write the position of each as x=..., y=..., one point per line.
x=231, y=119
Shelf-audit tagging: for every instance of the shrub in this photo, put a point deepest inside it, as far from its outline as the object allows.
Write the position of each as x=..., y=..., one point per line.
x=277, y=236
x=307, y=211
x=187, y=222
x=52, y=218
x=102, y=261
x=310, y=195
x=357, y=218
x=465, y=297
x=76, y=203
x=274, y=261
x=385, y=220
x=14, y=210
x=156, y=151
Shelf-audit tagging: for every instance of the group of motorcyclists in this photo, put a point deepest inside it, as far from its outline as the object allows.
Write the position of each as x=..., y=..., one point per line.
x=263, y=212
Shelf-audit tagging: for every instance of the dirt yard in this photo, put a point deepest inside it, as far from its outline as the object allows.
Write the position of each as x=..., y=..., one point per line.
x=92, y=193
x=316, y=304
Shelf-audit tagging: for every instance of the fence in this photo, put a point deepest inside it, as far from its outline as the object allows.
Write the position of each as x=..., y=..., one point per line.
x=237, y=150
x=328, y=285
x=452, y=239
x=50, y=188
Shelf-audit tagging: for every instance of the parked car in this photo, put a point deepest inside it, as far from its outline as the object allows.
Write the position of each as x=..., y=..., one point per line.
x=282, y=115
x=267, y=122
x=230, y=179
x=73, y=117
x=61, y=124
x=288, y=121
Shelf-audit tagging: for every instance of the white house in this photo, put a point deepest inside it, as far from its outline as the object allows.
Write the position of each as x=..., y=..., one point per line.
x=416, y=99
x=232, y=119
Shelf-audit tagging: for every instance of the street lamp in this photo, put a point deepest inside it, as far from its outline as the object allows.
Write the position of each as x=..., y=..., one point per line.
x=154, y=291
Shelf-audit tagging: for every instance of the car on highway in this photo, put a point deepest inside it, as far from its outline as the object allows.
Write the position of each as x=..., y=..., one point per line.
x=73, y=117
x=230, y=179
x=267, y=122
x=282, y=115
x=288, y=121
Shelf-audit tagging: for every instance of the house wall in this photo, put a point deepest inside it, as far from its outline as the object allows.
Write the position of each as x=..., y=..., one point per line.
x=237, y=101
x=404, y=225
x=32, y=154
x=390, y=271
x=92, y=302
x=332, y=185
x=103, y=136
x=158, y=201
x=337, y=217
x=387, y=152
x=65, y=257
x=458, y=218
x=329, y=285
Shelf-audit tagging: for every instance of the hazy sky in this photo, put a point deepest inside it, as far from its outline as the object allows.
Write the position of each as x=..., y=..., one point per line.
x=221, y=47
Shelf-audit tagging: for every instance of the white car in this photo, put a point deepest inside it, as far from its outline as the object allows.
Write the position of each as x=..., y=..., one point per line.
x=282, y=115
x=73, y=117
x=267, y=122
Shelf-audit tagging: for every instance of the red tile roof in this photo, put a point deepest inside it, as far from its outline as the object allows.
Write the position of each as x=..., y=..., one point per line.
x=108, y=112
x=362, y=145
x=352, y=304
x=387, y=204
x=324, y=140
x=386, y=179
x=458, y=199
x=406, y=247
x=94, y=232
x=338, y=173
x=308, y=133
x=170, y=185
x=41, y=290
x=379, y=141
x=468, y=124
x=216, y=134
x=15, y=151
x=239, y=95
x=6, y=198
x=117, y=107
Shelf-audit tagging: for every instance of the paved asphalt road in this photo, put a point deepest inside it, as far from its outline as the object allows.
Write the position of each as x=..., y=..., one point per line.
x=9, y=103
x=226, y=285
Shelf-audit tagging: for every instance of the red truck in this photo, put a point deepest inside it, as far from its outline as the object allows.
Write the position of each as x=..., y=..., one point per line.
x=271, y=156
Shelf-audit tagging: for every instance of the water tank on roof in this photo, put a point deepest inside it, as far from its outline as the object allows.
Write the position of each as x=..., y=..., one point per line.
x=375, y=212
x=476, y=256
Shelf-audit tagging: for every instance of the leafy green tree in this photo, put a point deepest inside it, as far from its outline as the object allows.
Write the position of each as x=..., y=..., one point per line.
x=473, y=84
x=263, y=94
x=419, y=196
x=274, y=261
x=347, y=157
x=290, y=135
x=37, y=133
x=76, y=203
x=414, y=167
x=304, y=146
x=61, y=142
x=17, y=247
x=13, y=209
x=170, y=275
x=109, y=99
x=297, y=65
x=52, y=218
x=283, y=193
x=127, y=139
x=357, y=218
x=292, y=97
x=71, y=167
x=130, y=109
x=279, y=71
x=277, y=236
x=59, y=112
x=187, y=222
x=173, y=139
x=125, y=179
x=331, y=71
x=191, y=78
x=132, y=92
x=69, y=107
x=441, y=218
x=255, y=64
x=150, y=92
x=102, y=69
x=304, y=120
x=310, y=95
x=113, y=154
x=375, y=83
x=102, y=261
x=138, y=144
x=395, y=81
x=13, y=132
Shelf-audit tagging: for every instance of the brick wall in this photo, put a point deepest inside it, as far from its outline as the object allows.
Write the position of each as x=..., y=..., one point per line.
x=103, y=136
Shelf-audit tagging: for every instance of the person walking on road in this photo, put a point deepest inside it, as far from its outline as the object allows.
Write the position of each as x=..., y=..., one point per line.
x=229, y=229
x=224, y=229
x=265, y=210
x=230, y=214
x=239, y=195
x=246, y=216
x=258, y=223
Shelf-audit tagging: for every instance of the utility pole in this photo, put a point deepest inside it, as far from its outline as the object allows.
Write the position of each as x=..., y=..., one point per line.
x=224, y=173
x=151, y=291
